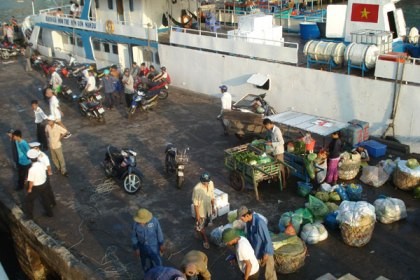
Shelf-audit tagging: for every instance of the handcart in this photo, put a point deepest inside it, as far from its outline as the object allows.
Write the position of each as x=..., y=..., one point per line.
x=242, y=172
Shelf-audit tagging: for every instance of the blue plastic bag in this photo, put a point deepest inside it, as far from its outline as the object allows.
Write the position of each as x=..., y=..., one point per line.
x=342, y=193
x=331, y=221
x=354, y=192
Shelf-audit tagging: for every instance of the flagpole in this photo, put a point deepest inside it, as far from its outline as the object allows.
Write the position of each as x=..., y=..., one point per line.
x=33, y=7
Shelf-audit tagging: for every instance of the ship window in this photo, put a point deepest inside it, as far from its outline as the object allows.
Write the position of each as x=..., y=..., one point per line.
x=110, y=4
x=131, y=3
x=79, y=42
x=71, y=40
x=115, y=49
x=96, y=45
x=97, y=4
x=106, y=47
x=82, y=2
x=392, y=24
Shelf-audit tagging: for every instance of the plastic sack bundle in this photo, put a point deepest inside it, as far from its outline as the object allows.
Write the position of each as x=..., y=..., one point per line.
x=332, y=207
x=334, y=196
x=318, y=208
x=290, y=217
x=374, y=176
x=331, y=221
x=417, y=192
x=232, y=215
x=325, y=187
x=342, y=193
x=354, y=213
x=216, y=235
x=388, y=165
x=306, y=215
x=304, y=188
x=389, y=210
x=354, y=192
x=313, y=233
x=324, y=196
x=238, y=224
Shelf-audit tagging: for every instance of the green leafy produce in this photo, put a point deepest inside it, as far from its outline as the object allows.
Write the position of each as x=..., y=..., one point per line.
x=412, y=163
x=310, y=168
x=306, y=215
x=318, y=208
x=417, y=192
x=300, y=147
x=331, y=207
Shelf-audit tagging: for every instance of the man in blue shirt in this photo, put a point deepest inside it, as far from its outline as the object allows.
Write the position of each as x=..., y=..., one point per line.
x=259, y=237
x=147, y=239
x=23, y=163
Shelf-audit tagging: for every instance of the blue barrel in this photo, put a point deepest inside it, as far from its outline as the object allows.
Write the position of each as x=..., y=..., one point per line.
x=309, y=30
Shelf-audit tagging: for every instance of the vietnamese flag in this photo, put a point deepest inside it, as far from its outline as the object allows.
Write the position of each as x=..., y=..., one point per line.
x=364, y=12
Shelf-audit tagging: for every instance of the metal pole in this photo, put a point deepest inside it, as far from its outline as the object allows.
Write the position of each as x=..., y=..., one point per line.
x=33, y=7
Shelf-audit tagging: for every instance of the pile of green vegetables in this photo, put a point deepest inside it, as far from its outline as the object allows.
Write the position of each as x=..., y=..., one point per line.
x=251, y=158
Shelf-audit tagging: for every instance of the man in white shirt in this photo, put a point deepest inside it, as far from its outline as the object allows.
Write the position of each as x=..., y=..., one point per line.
x=275, y=140
x=91, y=82
x=43, y=158
x=37, y=186
x=55, y=110
x=40, y=116
x=226, y=100
x=245, y=256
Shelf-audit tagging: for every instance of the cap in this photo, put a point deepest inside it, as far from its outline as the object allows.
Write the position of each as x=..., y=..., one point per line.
x=51, y=118
x=34, y=144
x=242, y=211
x=229, y=234
x=223, y=87
x=32, y=154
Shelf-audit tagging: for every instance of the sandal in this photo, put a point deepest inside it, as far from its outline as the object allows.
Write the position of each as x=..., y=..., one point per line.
x=206, y=245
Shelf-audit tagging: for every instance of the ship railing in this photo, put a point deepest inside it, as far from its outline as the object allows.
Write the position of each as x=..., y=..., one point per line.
x=256, y=48
x=51, y=11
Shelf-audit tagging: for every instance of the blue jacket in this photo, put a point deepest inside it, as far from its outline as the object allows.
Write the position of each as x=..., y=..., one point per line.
x=22, y=148
x=148, y=237
x=259, y=237
x=163, y=273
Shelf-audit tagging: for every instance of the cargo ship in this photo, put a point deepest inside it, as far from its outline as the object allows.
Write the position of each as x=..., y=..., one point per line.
x=359, y=70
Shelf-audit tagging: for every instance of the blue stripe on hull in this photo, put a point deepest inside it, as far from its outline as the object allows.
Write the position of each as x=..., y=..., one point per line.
x=86, y=35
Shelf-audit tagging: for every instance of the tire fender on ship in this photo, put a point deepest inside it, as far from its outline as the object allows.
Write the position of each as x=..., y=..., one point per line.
x=109, y=26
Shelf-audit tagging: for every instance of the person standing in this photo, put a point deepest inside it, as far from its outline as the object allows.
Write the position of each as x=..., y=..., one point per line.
x=143, y=70
x=37, y=186
x=55, y=111
x=203, y=201
x=245, y=257
x=56, y=81
x=28, y=56
x=334, y=152
x=259, y=237
x=40, y=117
x=226, y=100
x=109, y=84
x=194, y=264
x=43, y=158
x=275, y=140
x=128, y=83
x=10, y=33
x=134, y=71
x=23, y=163
x=147, y=239
x=90, y=83
x=54, y=134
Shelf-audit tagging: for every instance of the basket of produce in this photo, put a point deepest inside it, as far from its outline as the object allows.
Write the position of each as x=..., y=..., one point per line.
x=407, y=175
x=349, y=166
x=358, y=236
x=291, y=256
x=357, y=222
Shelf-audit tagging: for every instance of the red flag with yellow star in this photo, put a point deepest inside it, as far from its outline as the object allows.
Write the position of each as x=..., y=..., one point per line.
x=364, y=12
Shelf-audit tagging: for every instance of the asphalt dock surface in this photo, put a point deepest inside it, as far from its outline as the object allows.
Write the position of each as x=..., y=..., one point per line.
x=93, y=217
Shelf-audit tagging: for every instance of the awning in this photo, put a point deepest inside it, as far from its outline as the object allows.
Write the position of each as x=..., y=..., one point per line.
x=258, y=79
x=314, y=124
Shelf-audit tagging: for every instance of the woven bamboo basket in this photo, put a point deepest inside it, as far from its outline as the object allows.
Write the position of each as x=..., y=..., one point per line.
x=348, y=171
x=289, y=263
x=357, y=236
x=404, y=180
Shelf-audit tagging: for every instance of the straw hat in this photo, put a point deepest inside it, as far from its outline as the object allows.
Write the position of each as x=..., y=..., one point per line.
x=143, y=216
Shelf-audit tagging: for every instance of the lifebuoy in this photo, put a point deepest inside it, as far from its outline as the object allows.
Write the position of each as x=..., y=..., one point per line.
x=109, y=26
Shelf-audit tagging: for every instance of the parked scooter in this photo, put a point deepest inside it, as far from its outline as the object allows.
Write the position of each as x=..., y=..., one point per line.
x=175, y=161
x=6, y=53
x=121, y=164
x=162, y=89
x=143, y=100
x=90, y=105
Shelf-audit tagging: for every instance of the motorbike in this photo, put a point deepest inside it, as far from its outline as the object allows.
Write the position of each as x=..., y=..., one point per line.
x=121, y=164
x=6, y=53
x=143, y=100
x=90, y=105
x=175, y=161
x=161, y=89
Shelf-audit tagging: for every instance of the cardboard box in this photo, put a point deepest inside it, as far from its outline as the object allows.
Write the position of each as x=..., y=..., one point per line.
x=221, y=198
